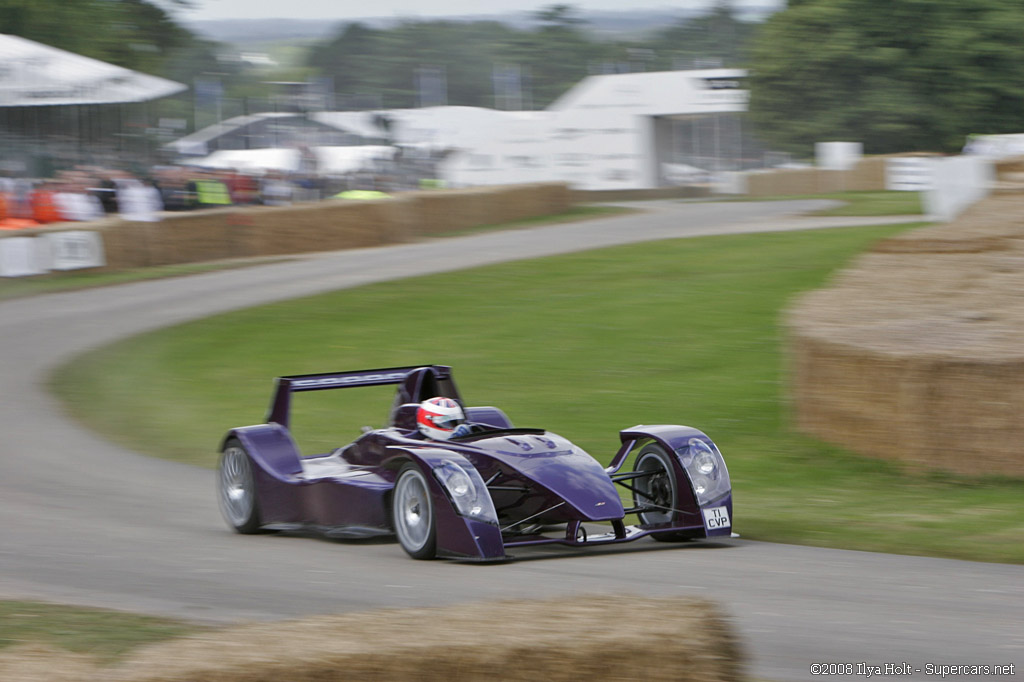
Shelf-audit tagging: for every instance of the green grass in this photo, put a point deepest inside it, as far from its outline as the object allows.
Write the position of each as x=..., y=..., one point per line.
x=865, y=204
x=686, y=331
x=573, y=214
x=105, y=635
x=861, y=204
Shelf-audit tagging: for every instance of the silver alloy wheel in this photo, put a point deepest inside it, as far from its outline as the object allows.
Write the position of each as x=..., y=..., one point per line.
x=658, y=489
x=237, y=496
x=413, y=513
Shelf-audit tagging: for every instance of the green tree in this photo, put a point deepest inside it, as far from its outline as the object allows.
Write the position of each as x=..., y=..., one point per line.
x=86, y=27
x=135, y=34
x=897, y=75
x=558, y=53
x=717, y=37
x=349, y=58
x=385, y=63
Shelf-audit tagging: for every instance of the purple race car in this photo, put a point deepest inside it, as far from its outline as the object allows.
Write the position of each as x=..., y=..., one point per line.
x=463, y=482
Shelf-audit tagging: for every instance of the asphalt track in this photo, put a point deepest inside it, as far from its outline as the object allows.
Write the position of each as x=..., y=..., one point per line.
x=84, y=521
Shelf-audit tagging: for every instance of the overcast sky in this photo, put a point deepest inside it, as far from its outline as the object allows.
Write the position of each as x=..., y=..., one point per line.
x=353, y=9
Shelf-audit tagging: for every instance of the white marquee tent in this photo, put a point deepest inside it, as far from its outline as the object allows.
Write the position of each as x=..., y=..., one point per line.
x=33, y=74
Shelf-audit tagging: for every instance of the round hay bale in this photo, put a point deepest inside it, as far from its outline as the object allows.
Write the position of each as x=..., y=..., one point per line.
x=913, y=353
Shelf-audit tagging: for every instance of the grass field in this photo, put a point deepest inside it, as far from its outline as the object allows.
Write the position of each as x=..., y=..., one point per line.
x=861, y=204
x=103, y=634
x=573, y=214
x=586, y=344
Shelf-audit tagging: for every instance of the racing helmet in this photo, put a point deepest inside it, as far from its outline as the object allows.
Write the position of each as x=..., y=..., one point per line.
x=437, y=418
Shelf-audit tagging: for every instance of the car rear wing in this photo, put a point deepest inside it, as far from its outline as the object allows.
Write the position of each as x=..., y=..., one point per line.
x=416, y=382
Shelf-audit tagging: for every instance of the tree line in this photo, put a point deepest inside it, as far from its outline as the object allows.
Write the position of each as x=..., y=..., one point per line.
x=137, y=34
x=542, y=61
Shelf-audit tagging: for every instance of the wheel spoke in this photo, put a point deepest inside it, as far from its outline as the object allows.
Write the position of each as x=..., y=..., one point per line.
x=413, y=514
x=237, y=494
x=654, y=491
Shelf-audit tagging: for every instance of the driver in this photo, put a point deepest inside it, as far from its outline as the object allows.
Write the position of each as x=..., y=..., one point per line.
x=441, y=419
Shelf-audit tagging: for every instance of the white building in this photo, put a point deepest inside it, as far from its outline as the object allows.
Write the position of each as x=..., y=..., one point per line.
x=620, y=131
x=616, y=131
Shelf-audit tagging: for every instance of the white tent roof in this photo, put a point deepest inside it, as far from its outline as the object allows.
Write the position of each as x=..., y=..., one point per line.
x=658, y=93
x=33, y=74
x=197, y=143
x=440, y=127
x=329, y=159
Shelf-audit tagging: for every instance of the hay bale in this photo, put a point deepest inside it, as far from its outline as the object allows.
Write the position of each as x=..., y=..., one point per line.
x=674, y=639
x=36, y=662
x=914, y=354
x=245, y=232
x=867, y=176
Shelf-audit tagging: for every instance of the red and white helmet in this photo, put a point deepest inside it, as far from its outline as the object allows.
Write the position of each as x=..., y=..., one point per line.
x=438, y=417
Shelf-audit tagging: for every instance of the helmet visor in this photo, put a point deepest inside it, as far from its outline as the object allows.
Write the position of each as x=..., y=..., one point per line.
x=446, y=421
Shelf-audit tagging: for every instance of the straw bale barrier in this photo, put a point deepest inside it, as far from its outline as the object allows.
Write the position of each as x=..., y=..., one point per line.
x=584, y=196
x=672, y=639
x=915, y=352
x=332, y=224
x=868, y=175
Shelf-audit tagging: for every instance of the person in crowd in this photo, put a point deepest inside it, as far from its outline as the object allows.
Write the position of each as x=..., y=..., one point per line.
x=275, y=189
x=105, y=189
x=208, y=190
x=244, y=188
x=74, y=200
x=15, y=205
x=138, y=200
x=44, y=204
x=171, y=181
x=20, y=199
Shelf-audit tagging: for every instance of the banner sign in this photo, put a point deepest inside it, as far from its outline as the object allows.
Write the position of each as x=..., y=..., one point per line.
x=71, y=250
x=20, y=257
x=75, y=249
x=909, y=174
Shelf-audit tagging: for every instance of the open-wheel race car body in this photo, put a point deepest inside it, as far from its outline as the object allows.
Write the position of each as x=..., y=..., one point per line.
x=475, y=496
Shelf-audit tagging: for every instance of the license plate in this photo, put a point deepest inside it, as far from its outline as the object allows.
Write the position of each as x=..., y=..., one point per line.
x=716, y=517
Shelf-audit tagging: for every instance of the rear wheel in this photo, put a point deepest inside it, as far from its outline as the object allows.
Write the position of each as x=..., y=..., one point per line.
x=413, y=513
x=657, y=491
x=236, y=487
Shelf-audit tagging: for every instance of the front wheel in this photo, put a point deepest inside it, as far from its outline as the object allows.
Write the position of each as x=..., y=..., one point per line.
x=657, y=491
x=413, y=513
x=236, y=488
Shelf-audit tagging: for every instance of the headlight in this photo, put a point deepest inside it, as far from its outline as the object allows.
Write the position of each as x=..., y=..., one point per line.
x=459, y=483
x=706, y=469
x=704, y=461
x=467, y=491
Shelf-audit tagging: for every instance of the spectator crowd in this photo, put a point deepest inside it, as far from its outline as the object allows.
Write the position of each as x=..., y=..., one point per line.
x=86, y=193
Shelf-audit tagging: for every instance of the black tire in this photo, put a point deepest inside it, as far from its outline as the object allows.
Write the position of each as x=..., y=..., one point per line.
x=236, y=489
x=412, y=512
x=660, y=489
